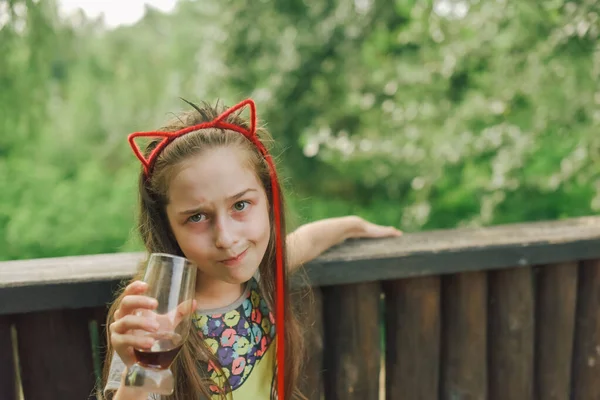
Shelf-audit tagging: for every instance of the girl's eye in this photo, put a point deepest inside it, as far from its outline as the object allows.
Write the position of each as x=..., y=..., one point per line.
x=196, y=218
x=240, y=205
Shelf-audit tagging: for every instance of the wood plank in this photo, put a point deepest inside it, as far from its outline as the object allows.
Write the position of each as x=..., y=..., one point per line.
x=72, y=269
x=555, y=326
x=458, y=250
x=323, y=271
x=586, y=360
x=464, y=339
x=99, y=314
x=98, y=337
x=55, y=354
x=8, y=388
x=23, y=299
x=352, y=340
x=511, y=334
x=311, y=384
x=422, y=253
x=412, y=318
x=334, y=271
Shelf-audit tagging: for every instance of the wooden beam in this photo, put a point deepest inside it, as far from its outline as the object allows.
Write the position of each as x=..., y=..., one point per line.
x=311, y=378
x=22, y=299
x=586, y=352
x=74, y=269
x=458, y=250
x=555, y=327
x=412, y=351
x=61, y=282
x=352, y=359
x=511, y=334
x=55, y=354
x=464, y=336
x=8, y=385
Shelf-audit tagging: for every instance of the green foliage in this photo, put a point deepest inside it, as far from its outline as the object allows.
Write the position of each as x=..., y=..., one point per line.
x=419, y=114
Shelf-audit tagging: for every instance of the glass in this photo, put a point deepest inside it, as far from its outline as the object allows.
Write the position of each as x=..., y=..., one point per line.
x=171, y=281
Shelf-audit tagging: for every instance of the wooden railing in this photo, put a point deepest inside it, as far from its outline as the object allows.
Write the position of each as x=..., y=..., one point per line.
x=509, y=312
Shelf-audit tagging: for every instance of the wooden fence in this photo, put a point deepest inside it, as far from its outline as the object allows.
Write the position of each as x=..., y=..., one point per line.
x=504, y=313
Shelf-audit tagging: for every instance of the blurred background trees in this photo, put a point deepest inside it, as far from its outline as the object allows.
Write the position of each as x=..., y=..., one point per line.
x=418, y=114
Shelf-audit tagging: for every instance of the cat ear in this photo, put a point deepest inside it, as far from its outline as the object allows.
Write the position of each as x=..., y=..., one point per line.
x=250, y=133
x=146, y=162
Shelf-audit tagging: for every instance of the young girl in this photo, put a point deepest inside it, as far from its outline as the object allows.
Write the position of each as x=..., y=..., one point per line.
x=209, y=192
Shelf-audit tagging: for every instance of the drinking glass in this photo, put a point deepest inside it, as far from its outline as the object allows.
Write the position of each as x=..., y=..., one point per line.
x=171, y=281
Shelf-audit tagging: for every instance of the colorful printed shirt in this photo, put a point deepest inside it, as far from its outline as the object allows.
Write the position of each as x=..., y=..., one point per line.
x=242, y=336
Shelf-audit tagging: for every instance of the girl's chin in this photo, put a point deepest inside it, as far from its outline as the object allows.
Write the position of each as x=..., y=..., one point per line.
x=239, y=277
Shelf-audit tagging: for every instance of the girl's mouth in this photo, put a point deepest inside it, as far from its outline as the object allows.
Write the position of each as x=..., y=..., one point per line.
x=231, y=262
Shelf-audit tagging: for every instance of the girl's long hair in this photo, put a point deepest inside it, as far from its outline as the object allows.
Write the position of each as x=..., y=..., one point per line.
x=157, y=236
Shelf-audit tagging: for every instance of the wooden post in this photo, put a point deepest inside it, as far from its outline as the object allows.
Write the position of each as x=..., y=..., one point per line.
x=412, y=320
x=511, y=334
x=311, y=378
x=98, y=341
x=464, y=339
x=8, y=381
x=555, y=325
x=352, y=341
x=55, y=354
x=586, y=360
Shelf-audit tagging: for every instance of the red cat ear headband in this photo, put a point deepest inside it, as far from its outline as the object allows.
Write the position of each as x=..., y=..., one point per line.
x=221, y=123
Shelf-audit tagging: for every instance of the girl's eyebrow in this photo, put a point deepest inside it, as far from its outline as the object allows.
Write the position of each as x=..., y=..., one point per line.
x=241, y=194
x=230, y=198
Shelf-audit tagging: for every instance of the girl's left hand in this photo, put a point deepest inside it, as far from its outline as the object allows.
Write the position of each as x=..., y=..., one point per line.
x=366, y=229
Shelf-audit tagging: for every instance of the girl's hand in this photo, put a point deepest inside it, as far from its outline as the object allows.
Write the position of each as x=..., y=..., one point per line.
x=366, y=229
x=126, y=321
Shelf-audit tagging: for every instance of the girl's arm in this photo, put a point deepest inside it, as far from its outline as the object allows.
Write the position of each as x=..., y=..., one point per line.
x=310, y=240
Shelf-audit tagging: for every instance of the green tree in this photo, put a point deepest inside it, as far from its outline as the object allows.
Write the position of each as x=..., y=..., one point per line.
x=422, y=114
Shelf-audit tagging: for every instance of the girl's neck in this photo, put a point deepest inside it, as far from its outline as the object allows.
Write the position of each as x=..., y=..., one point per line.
x=213, y=293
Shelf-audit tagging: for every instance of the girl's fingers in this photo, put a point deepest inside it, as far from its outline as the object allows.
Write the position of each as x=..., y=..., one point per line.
x=379, y=231
x=123, y=342
x=133, y=322
x=185, y=308
x=133, y=302
x=135, y=287
x=121, y=337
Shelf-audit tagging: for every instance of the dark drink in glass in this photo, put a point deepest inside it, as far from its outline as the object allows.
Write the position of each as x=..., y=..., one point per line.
x=162, y=353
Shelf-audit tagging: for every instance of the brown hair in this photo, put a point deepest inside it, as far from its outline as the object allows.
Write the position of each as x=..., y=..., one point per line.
x=157, y=236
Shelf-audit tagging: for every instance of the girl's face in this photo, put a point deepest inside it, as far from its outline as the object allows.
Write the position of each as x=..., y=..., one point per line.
x=218, y=211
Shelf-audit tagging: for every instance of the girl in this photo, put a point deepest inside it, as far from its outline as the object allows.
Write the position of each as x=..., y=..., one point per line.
x=209, y=192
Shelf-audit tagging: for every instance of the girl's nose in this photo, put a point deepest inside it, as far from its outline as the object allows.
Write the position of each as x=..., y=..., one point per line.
x=224, y=235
